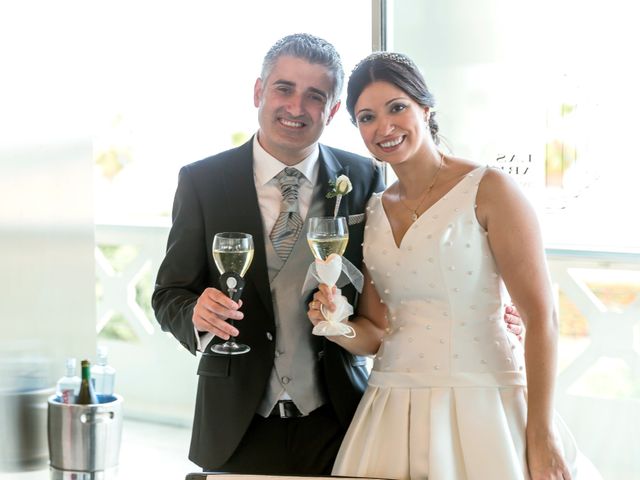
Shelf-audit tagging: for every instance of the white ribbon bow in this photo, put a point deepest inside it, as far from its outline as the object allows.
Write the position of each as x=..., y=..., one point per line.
x=328, y=271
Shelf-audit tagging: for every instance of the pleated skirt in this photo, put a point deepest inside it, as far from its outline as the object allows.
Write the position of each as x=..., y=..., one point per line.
x=462, y=431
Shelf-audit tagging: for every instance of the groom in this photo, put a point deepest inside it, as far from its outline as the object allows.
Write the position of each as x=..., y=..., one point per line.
x=284, y=407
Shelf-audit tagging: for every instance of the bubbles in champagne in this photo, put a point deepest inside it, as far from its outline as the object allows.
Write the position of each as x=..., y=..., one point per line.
x=323, y=247
x=236, y=261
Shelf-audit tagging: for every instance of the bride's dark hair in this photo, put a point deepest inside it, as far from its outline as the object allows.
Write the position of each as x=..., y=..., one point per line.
x=397, y=69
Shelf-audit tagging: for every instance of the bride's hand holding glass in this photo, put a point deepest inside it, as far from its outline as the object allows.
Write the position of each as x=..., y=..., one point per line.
x=322, y=300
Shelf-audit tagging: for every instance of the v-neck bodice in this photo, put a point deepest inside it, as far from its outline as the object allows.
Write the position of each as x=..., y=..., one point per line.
x=443, y=277
x=435, y=206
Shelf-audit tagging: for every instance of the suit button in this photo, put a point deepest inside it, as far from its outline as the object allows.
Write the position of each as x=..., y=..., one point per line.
x=285, y=380
x=269, y=336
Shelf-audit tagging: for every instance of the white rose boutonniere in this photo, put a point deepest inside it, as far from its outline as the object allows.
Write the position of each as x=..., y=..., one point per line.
x=339, y=187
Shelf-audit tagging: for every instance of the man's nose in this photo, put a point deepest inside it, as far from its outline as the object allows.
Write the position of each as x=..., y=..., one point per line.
x=295, y=105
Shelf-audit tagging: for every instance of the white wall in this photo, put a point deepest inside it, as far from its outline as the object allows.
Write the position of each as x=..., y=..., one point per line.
x=47, y=285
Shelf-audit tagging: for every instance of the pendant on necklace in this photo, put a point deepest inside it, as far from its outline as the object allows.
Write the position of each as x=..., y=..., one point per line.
x=414, y=216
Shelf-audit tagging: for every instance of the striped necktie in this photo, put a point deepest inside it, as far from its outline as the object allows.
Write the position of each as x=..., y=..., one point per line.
x=289, y=223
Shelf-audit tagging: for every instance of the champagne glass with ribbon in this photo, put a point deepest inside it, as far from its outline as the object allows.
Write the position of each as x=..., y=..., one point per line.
x=328, y=238
x=232, y=253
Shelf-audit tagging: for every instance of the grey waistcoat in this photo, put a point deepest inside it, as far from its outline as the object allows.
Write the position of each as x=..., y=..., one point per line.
x=295, y=368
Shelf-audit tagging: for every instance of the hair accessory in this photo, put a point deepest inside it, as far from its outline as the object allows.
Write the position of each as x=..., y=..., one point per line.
x=391, y=56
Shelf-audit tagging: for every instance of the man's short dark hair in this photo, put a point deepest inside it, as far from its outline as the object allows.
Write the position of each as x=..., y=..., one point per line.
x=312, y=49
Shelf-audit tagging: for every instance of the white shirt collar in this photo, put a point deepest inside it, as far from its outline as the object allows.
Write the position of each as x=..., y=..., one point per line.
x=266, y=166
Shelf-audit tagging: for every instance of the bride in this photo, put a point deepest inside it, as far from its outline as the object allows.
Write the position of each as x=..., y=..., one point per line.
x=452, y=393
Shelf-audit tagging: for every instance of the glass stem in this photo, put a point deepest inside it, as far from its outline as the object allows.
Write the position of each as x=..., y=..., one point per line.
x=232, y=339
x=231, y=292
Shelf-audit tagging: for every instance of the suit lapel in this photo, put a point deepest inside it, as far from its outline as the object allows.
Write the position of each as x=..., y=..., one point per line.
x=329, y=170
x=242, y=205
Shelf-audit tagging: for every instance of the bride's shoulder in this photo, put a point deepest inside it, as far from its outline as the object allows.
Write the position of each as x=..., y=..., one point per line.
x=495, y=177
x=499, y=189
x=458, y=168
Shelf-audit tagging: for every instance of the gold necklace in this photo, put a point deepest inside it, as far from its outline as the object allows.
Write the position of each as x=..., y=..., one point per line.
x=414, y=211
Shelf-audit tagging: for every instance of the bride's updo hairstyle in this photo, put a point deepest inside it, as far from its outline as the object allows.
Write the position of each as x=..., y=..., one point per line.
x=398, y=70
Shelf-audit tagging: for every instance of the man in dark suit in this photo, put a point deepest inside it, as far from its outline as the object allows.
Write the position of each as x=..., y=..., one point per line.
x=284, y=407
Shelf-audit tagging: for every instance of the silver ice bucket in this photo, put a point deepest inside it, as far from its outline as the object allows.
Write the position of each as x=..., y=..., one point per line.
x=23, y=425
x=84, y=440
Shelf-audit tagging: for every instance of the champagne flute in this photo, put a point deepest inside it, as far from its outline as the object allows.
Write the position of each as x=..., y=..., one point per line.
x=232, y=253
x=327, y=235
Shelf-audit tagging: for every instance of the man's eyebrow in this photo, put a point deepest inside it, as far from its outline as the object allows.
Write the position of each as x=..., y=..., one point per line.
x=284, y=82
x=322, y=93
x=289, y=83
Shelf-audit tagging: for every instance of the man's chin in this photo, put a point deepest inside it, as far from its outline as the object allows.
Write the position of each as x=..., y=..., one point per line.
x=292, y=133
x=296, y=140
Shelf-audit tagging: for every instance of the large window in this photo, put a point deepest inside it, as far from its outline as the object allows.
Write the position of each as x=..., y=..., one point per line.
x=548, y=91
x=175, y=84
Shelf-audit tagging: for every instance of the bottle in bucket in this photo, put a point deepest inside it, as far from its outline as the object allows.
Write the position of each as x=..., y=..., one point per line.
x=103, y=374
x=68, y=386
x=87, y=394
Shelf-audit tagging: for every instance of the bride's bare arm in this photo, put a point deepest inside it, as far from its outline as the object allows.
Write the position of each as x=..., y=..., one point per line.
x=516, y=242
x=369, y=322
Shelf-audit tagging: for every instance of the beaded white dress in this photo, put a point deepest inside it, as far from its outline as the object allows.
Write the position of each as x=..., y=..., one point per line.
x=446, y=397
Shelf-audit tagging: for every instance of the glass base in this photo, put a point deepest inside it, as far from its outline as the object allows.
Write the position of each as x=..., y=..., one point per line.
x=230, y=348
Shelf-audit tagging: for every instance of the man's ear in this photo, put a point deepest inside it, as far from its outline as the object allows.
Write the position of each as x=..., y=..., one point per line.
x=257, y=92
x=333, y=111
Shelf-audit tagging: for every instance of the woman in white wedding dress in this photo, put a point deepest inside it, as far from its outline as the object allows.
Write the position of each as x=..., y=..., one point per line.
x=452, y=393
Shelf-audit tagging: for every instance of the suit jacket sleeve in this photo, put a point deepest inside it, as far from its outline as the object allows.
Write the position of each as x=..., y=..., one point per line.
x=182, y=276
